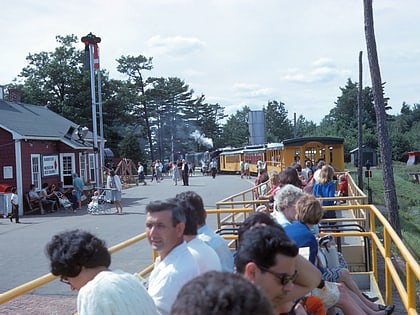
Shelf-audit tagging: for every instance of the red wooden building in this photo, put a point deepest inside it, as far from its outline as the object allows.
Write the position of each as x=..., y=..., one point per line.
x=37, y=145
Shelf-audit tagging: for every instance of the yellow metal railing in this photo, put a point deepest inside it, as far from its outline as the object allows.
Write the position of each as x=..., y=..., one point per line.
x=405, y=287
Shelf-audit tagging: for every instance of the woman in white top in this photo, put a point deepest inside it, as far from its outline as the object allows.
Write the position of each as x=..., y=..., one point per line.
x=82, y=261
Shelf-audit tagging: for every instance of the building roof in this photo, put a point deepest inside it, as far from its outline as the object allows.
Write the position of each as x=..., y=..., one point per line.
x=25, y=121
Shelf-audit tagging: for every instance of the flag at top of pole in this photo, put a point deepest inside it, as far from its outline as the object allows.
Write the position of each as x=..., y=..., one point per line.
x=96, y=57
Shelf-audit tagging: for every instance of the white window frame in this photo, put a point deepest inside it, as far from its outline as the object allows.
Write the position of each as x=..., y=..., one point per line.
x=91, y=165
x=83, y=167
x=36, y=174
x=63, y=170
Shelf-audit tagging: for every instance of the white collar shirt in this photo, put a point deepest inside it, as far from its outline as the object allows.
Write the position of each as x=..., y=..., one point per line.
x=219, y=245
x=169, y=275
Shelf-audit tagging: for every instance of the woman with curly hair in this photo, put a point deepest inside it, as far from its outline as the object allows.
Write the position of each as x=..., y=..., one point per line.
x=82, y=261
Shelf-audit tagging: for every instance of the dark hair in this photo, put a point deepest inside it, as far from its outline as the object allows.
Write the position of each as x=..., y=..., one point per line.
x=257, y=218
x=261, y=244
x=170, y=204
x=71, y=250
x=197, y=203
x=289, y=176
x=13, y=190
x=220, y=293
x=32, y=186
x=190, y=218
x=44, y=185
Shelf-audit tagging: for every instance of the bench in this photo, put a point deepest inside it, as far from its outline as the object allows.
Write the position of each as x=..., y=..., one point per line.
x=31, y=205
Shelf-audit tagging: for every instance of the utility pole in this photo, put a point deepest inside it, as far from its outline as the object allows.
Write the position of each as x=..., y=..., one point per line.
x=90, y=42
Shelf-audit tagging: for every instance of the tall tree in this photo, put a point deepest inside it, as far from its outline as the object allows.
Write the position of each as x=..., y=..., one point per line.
x=379, y=103
x=173, y=104
x=277, y=124
x=57, y=79
x=133, y=67
x=235, y=131
x=304, y=127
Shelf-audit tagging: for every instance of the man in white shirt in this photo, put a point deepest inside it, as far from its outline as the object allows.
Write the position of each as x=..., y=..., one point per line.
x=175, y=266
x=206, y=234
x=206, y=257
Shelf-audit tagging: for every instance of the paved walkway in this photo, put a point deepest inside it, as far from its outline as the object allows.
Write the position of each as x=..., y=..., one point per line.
x=22, y=256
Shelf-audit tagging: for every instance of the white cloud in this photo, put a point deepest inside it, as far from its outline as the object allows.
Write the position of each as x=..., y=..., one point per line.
x=177, y=46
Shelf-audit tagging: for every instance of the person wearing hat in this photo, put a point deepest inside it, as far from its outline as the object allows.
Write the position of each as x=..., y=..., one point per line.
x=78, y=187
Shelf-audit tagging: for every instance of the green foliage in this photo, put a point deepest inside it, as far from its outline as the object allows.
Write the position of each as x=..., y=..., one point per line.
x=277, y=124
x=408, y=194
x=130, y=148
x=235, y=132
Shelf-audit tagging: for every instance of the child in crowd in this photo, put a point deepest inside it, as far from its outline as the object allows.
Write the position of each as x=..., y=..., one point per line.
x=74, y=200
x=344, y=186
x=93, y=204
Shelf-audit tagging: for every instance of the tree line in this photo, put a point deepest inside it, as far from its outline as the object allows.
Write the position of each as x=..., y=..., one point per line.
x=147, y=118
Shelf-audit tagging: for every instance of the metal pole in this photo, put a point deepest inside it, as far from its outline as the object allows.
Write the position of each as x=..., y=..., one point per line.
x=94, y=123
x=101, y=129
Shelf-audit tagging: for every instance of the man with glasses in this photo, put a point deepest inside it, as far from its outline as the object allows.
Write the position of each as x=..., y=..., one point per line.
x=270, y=260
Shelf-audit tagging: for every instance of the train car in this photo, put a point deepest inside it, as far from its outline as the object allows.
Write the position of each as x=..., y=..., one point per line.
x=253, y=154
x=277, y=156
x=330, y=149
x=230, y=159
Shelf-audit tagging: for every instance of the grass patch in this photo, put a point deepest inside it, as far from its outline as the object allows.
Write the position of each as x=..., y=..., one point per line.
x=408, y=195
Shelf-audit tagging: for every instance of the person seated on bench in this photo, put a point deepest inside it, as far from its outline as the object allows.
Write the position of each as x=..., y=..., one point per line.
x=35, y=198
x=46, y=197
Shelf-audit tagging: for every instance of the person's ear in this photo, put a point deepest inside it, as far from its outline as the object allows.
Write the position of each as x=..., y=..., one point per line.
x=180, y=227
x=251, y=271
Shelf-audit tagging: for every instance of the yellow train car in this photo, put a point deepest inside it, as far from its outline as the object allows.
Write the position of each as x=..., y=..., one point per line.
x=230, y=160
x=277, y=156
x=329, y=149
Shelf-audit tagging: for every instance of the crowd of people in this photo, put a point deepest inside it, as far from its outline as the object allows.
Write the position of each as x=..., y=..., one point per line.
x=196, y=272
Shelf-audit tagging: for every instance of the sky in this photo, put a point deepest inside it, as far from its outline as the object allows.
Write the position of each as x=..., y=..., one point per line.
x=236, y=52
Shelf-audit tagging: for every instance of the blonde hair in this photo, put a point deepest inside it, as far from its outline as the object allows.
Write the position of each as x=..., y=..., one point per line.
x=326, y=175
x=287, y=196
x=309, y=210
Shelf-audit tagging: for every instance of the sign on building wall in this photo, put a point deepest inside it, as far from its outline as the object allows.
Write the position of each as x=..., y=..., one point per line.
x=49, y=165
x=7, y=172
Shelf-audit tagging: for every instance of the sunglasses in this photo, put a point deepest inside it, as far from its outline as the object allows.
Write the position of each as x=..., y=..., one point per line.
x=64, y=280
x=284, y=278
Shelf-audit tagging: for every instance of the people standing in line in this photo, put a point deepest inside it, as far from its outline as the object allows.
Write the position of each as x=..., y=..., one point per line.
x=213, y=168
x=15, y=206
x=78, y=186
x=114, y=183
x=175, y=265
x=175, y=173
x=34, y=196
x=82, y=261
x=185, y=173
x=247, y=171
x=206, y=234
x=142, y=177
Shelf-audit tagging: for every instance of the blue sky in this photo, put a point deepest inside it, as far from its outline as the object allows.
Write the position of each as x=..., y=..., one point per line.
x=235, y=52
